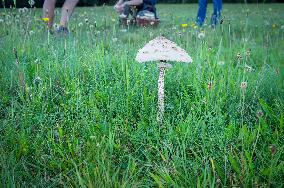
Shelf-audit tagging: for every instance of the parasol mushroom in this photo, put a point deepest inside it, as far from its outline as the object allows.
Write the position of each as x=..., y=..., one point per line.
x=162, y=50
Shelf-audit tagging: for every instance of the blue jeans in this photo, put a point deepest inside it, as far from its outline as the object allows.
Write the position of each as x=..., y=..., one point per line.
x=202, y=6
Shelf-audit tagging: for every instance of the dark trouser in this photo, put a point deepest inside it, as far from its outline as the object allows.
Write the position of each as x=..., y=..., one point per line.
x=202, y=12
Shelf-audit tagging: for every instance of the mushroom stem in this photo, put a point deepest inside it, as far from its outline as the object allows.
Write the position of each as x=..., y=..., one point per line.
x=161, y=94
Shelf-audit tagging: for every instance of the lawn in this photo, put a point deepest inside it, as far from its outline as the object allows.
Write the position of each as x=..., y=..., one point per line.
x=79, y=111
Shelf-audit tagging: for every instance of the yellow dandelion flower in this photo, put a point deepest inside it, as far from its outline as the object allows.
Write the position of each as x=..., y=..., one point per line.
x=184, y=25
x=45, y=19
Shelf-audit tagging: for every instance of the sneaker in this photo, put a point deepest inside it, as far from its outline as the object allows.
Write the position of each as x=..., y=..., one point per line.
x=122, y=16
x=63, y=30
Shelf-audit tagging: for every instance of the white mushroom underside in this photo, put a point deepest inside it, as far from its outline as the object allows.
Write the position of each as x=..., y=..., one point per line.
x=161, y=48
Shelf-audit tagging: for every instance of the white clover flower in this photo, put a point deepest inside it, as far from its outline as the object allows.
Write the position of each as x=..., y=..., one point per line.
x=248, y=68
x=201, y=35
x=80, y=24
x=220, y=63
x=37, y=61
x=55, y=26
x=245, y=39
x=37, y=80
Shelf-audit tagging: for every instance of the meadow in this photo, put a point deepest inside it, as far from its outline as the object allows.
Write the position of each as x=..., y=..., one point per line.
x=79, y=111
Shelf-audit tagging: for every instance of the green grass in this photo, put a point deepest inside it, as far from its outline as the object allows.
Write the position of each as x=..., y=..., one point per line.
x=80, y=112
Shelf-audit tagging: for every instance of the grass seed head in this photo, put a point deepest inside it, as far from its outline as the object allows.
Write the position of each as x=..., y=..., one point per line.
x=239, y=56
x=273, y=149
x=259, y=114
x=210, y=85
x=248, y=52
x=37, y=81
x=243, y=85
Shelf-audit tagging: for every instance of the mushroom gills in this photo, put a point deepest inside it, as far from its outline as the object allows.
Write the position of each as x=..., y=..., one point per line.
x=164, y=65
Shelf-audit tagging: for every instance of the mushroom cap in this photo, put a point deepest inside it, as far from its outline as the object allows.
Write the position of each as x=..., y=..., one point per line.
x=162, y=49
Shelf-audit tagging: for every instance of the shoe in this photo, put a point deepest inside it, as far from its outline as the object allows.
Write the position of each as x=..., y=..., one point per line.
x=62, y=30
x=122, y=16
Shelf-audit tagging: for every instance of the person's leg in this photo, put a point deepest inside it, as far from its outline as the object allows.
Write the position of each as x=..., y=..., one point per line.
x=220, y=6
x=119, y=11
x=48, y=11
x=202, y=6
x=67, y=11
x=217, y=4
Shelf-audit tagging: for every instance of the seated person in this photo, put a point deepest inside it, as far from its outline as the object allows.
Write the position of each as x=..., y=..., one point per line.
x=143, y=9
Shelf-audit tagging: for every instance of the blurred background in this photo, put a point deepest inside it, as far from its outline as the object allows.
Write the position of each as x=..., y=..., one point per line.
x=38, y=3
